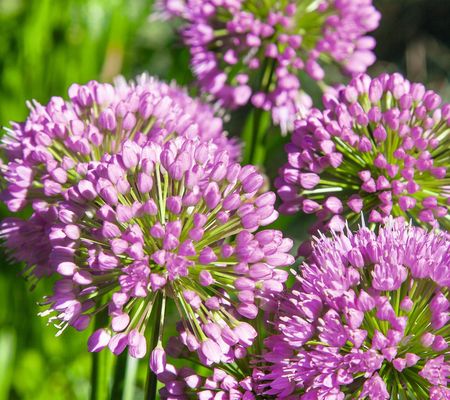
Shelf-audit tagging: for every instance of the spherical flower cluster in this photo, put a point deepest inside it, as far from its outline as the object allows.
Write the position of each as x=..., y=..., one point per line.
x=245, y=50
x=227, y=382
x=368, y=318
x=177, y=221
x=52, y=150
x=52, y=147
x=381, y=148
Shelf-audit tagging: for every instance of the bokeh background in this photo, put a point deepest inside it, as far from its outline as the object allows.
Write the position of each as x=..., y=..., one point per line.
x=45, y=45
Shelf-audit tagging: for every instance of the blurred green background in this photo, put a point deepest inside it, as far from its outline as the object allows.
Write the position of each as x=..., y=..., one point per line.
x=45, y=45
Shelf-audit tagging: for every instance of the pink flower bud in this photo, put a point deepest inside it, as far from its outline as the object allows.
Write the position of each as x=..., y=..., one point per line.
x=98, y=340
x=66, y=268
x=144, y=183
x=86, y=189
x=211, y=350
x=107, y=119
x=212, y=195
x=309, y=180
x=406, y=202
x=399, y=364
x=207, y=256
x=118, y=343
x=137, y=345
x=334, y=205
x=158, y=360
x=406, y=304
x=249, y=311
x=120, y=322
x=205, y=278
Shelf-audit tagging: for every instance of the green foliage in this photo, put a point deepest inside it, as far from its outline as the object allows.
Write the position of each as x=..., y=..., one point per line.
x=45, y=45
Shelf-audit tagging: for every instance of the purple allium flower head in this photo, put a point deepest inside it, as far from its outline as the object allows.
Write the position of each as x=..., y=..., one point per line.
x=184, y=383
x=233, y=380
x=19, y=234
x=380, y=147
x=175, y=220
x=368, y=317
x=242, y=50
x=54, y=146
x=57, y=144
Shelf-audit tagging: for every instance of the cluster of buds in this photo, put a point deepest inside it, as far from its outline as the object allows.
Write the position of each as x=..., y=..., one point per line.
x=60, y=142
x=243, y=51
x=138, y=198
x=380, y=147
x=176, y=220
x=368, y=317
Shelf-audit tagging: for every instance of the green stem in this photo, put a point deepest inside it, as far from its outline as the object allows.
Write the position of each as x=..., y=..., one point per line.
x=130, y=378
x=95, y=376
x=99, y=385
x=158, y=320
x=257, y=137
x=119, y=376
x=263, y=141
x=257, y=114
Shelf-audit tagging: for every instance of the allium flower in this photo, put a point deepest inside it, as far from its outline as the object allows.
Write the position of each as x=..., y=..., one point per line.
x=368, y=318
x=53, y=147
x=174, y=220
x=381, y=148
x=245, y=50
x=184, y=383
x=52, y=150
x=227, y=381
